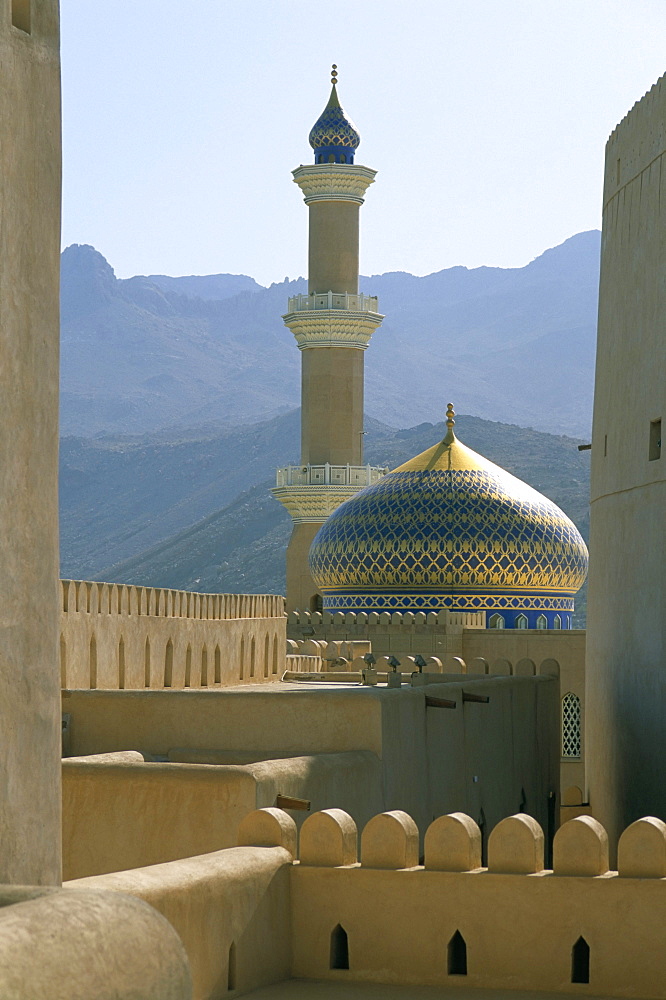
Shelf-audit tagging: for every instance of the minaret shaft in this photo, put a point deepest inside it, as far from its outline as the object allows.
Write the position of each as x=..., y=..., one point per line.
x=332, y=406
x=333, y=247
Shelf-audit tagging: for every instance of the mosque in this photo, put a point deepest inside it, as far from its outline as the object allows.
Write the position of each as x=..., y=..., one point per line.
x=205, y=797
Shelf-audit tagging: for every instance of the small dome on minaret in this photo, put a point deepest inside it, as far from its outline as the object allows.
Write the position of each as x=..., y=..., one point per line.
x=334, y=136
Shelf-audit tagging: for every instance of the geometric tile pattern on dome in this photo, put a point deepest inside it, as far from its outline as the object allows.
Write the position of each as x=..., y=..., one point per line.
x=436, y=600
x=333, y=128
x=449, y=531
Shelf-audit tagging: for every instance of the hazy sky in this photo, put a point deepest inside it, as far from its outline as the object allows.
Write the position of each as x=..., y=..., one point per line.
x=486, y=121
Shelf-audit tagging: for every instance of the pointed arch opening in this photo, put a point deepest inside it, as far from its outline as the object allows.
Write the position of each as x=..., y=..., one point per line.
x=204, y=666
x=557, y=621
x=266, y=655
x=521, y=621
x=242, y=658
x=168, y=665
x=339, y=948
x=457, y=955
x=146, y=663
x=188, y=666
x=218, y=665
x=275, y=654
x=92, y=660
x=63, y=662
x=231, y=967
x=253, y=654
x=542, y=622
x=580, y=961
x=496, y=621
x=121, y=664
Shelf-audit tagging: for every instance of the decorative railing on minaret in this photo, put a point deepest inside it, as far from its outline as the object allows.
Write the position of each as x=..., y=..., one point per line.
x=332, y=325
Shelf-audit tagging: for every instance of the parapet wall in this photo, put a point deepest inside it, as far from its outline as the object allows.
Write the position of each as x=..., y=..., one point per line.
x=114, y=636
x=510, y=925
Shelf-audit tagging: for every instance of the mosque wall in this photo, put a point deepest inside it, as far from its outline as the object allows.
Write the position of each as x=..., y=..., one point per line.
x=29, y=345
x=626, y=635
x=124, y=637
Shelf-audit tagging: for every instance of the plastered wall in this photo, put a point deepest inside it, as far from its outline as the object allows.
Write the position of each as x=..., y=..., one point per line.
x=626, y=635
x=29, y=347
x=116, y=636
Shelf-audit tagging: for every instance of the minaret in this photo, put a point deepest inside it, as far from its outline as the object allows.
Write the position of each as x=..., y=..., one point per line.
x=332, y=325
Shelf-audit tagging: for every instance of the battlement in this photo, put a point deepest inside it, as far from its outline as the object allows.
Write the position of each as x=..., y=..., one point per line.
x=116, y=636
x=387, y=914
x=373, y=619
x=81, y=596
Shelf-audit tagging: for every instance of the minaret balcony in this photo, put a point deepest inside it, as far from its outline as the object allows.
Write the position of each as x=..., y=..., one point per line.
x=333, y=300
x=356, y=476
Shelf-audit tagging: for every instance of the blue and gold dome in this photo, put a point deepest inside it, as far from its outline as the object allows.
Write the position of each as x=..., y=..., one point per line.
x=334, y=136
x=451, y=530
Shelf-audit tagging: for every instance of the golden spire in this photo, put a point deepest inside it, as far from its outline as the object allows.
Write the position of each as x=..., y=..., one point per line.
x=450, y=423
x=334, y=74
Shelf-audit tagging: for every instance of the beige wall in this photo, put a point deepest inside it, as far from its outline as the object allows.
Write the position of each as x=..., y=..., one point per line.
x=237, y=897
x=332, y=405
x=29, y=334
x=626, y=636
x=503, y=650
x=121, y=813
x=112, y=636
x=488, y=759
x=333, y=247
x=519, y=929
x=75, y=945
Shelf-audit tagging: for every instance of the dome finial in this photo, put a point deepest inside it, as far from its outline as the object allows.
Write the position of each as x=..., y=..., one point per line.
x=334, y=137
x=450, y=423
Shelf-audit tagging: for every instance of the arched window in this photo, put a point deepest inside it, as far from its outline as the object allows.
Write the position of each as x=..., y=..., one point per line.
x=168, y=665
x=231, y=967
x=253, y=652
x=496, y=621
x=188, y=666
x=343, y=158
x=571, y=726
x=580, y=961
x=218, y=665
x=339, y=948
x=93, y=663
x=542, y=622
x=146, y=663
x=204, y=666
x=121, y=664
x=557, y=621
x=457, y=955
x=63, y=662
x=331, y=158
x=521, y=621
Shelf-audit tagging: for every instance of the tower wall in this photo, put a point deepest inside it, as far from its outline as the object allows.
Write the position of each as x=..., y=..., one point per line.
x=29, y=338
x=626, y=634
x=333, y=247
x=332, y=406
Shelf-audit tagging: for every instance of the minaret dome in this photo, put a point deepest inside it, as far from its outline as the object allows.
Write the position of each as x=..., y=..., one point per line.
x=334, y=136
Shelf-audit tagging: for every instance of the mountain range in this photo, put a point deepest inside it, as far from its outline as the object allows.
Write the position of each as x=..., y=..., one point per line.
x=152, y=352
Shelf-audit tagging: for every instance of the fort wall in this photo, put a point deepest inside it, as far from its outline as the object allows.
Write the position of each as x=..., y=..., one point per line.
x=29, y=346
x=114, y=636
x=626, y=635
x=363, y=909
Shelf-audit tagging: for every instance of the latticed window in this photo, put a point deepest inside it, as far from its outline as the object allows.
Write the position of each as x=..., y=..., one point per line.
x=571, y=725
